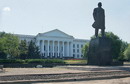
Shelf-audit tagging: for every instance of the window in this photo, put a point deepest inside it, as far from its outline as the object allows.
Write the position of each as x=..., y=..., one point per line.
x=81, y=55
x=74, y=50
x=49, y=48
x=78, y=56
x=44, y=47
x=73, y=45
x=62, y=48
x=81, y=46
x=77, y=45
x=77, y=50
x=73, y=55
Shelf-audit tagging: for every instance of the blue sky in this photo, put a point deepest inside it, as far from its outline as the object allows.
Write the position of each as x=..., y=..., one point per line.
x=73, y=17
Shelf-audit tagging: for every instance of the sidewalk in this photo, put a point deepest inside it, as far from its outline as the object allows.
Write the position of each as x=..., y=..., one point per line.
x=65, y=69
x=108, y=81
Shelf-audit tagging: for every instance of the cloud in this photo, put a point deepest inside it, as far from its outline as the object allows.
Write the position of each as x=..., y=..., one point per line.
x=7, y=9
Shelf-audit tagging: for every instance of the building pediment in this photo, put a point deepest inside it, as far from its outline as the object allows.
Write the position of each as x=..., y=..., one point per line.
x=56, y=33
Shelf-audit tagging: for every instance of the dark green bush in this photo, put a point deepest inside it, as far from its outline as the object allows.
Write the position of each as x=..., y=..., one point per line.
x=41, y=61
x=45, y=61
x=34, y=61
x=11, y=61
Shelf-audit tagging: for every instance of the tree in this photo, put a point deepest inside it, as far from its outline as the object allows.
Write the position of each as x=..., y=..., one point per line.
x=127, y=53
x=122, y=56
x=2, y=53
x=9, y=45
x=85, y=50
x=2, y=34
x=23, y=49
x=33, y=51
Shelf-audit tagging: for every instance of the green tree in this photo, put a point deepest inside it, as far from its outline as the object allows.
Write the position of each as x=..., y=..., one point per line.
x=124, y=46
x=23, y=49
x=85, y=50
x=9, y=45
x=33, y=51
x=127, y=53
x=2, y=34
x=2, y=53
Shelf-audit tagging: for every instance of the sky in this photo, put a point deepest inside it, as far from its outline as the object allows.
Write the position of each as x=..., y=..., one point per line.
x=73, y=17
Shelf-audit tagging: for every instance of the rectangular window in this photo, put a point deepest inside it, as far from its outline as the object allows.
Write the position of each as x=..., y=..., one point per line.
x=81, y=46
x=44, y=47
x=73, y=55
x=61, y=48
x=77, y=50
x=77, y=45
x=73, y=45
x=81, y=55
x=78, y=56
x=49, y=48
x=74, y=50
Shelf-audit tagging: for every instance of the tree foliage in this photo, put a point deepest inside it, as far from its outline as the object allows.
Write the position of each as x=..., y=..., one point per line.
x=23, y=49
x=12, y=48
x=127, y=53
x=9, y=45
x=85, y=49
x=33, y=51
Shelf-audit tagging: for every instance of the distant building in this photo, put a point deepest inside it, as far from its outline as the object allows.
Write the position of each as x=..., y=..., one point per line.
x=56, y=44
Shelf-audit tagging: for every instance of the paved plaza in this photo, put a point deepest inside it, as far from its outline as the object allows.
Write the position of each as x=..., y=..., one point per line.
x=76, y=71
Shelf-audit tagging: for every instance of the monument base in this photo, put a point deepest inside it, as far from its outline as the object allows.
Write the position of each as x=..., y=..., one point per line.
x=100, y=52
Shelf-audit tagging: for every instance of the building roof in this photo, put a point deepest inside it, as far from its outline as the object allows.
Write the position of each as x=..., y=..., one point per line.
x=55, y=33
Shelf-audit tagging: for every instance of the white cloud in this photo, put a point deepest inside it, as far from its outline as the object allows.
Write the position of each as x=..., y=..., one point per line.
x=7, y=9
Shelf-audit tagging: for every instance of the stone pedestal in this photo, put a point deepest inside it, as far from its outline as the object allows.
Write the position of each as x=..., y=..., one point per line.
x=99, y=52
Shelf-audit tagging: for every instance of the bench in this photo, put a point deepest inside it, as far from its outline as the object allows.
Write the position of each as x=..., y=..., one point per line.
x=1, y=67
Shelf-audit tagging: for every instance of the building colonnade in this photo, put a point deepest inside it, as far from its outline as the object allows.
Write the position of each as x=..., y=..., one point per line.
x=55, y=49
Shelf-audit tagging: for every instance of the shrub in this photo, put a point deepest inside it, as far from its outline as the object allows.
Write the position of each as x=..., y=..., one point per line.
x=41, y=61
x=44, y=61
x=11, y=61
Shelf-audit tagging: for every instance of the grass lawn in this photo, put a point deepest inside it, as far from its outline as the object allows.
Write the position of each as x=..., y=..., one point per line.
x=75, y=61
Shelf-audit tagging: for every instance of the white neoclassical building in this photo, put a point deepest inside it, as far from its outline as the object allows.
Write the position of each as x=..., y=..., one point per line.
x=56, y=44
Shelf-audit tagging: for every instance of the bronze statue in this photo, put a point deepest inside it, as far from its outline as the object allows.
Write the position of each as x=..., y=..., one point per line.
x=99, y=17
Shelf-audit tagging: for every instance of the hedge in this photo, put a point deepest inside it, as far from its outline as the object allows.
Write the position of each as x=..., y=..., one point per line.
x=45, y=61
x=41, y=61
x=11, y=61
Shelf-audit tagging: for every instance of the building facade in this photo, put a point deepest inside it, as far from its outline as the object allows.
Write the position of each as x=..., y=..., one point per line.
x=57, y=44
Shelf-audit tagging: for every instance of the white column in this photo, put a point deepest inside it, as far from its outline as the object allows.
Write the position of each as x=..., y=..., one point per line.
x=58, y=48
x=40, y=46
x=67, y=48
x=63, y=48
x=71, y=49
x=43, y=47
x=53, y=47
x=48, y=47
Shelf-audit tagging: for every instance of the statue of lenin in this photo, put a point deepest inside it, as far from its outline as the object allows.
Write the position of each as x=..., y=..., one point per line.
x=99, y=18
